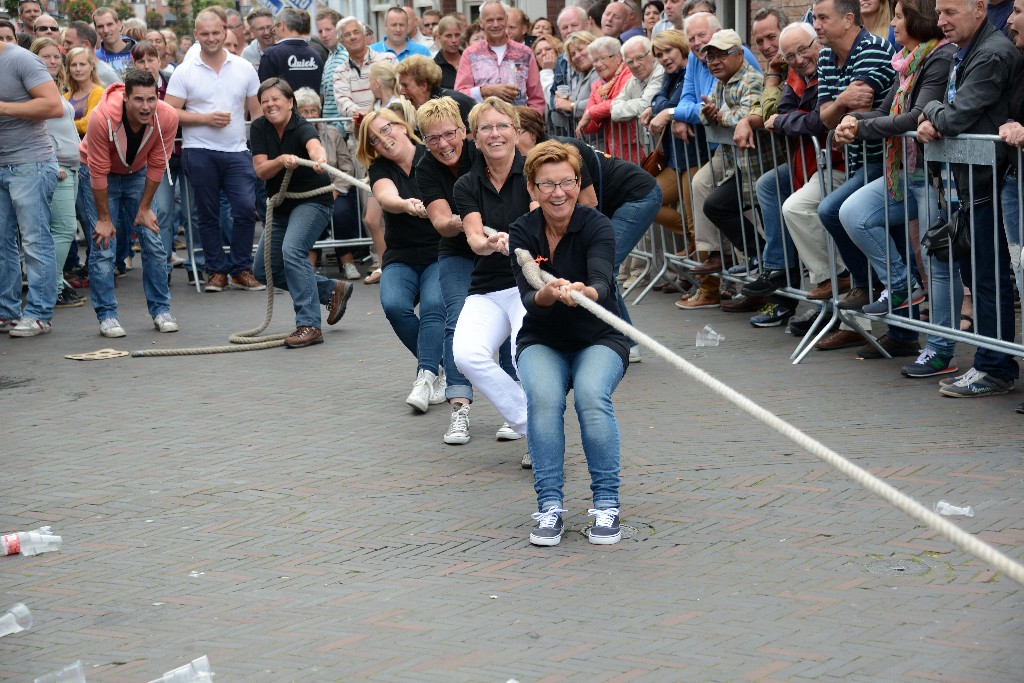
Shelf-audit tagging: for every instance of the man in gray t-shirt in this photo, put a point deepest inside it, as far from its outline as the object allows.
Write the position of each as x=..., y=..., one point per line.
x=28, y=175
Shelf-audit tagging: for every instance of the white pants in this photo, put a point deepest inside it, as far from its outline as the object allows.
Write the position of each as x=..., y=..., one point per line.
x=801, y=213
x=485, y=322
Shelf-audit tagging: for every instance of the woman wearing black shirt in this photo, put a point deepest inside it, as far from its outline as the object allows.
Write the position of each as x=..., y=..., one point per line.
x=390, y=150
x=562, y=347
x=278, y=138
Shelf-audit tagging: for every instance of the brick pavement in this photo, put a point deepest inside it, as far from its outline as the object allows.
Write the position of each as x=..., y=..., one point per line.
x=285, y=514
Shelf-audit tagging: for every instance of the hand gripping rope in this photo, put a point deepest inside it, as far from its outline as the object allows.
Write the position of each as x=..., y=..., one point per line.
x=960, y=538
x=251, y=340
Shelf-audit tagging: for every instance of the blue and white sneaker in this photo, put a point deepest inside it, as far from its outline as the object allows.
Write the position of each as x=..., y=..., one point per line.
x=548, y=530
x=772, y=315
x=605, y=530
x=900, y=299
x=974, y=384
x=930, y=364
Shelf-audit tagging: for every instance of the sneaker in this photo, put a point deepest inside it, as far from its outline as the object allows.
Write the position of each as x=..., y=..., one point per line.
x=973, y=384
x=218, y=282
x=506, y=433
x=605, y=530
x=128, y=265
x=303, y=336
x=1019, y=408
x=419, y=397
x=68, y=298
x=458, y=428
x=770, y=281
x=930, y=364
x=30, y=327
x=165, y=322
x=772, y=315
x=350, y=272
x=6, y=324
x=338, y=302
x=900, y=298
x=245, y=280
x=634, y=355
x=192, y=277
x=438, y=388
x=79, y=281
x=895, y=349
x=175, y=261
x=548, y=530
x=111, y=327
x=800, y=325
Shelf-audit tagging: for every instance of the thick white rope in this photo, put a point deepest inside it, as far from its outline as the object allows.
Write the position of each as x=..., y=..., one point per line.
x=960, y=538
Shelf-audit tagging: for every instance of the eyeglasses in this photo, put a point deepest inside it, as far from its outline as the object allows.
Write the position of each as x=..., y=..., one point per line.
x=384, y=132
x=548, y=186
x=500, y=127
x=721, y=56
x=54, y=29
x=637, y=60
x=448, y=135
x=597, y=60
x=801, y=52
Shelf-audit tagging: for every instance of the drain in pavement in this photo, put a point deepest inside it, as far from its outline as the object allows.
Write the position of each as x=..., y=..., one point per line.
x=899, y=567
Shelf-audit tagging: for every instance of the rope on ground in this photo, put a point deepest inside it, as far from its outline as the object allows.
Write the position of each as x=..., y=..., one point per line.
x=960, y=538
x=252, y=340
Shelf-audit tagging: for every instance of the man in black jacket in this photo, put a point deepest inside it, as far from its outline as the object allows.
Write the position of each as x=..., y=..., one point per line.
x=976, y=102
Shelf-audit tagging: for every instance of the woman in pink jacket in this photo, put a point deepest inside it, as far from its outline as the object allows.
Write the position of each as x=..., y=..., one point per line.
x=619, y=138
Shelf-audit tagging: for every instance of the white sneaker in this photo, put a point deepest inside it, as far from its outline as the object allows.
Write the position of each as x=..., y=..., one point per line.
x=111, y=327
x=419, y=397
x=506, y=433
x=458, y=430
x=634, y=354
x=165, y=322
x=175, y=260
x=526, y=462
x=350, y=272
x=437, y=389
x=30, y=327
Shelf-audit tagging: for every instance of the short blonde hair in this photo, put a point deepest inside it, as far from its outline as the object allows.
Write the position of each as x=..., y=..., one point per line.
x=554, y=42
x=584, y=38
x=671, y=38
x=497, y=104
x=437, y=111
x=422, y=70
x=551, y=152
x=366, y=153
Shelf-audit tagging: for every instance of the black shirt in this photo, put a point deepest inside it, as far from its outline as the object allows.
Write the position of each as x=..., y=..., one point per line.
x=295, y=61
x=465, y=102
x=297, y=132
x=436, y=181
x=584, y=254
x=133, y=138
x=616, y=181
x=448, y=72
x=474, y=193
x=409, y=239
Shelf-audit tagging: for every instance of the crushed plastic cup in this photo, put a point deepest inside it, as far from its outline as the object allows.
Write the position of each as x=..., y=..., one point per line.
x=196, y=671
x=944, y=508
x=17, y=618
x=72, y=673
x=708, y=337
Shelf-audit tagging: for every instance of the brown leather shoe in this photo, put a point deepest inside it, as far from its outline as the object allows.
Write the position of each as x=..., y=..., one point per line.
x=746, y=304
x=840, y=339
x=855, y=300
x=824, y=289
x=701, y=299
x=218, y=282
x=246, y=280
x=339, y=301
x=303, y=336
x=710, y=266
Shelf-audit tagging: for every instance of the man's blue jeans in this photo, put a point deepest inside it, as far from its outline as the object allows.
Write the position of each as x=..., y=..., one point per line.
x=828, y=213
x=210, y=172
x=123, y=194
x=25, y=194
x=1010, y=199
x=630, y=221
x=85, y=212
x=592, y=373
x=772, y=189
x=291, y=238
x=402, y=286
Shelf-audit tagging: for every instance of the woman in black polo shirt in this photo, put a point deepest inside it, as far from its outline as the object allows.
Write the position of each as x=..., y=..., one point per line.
x=561, y=346
x=278, y=138
x=390, y=150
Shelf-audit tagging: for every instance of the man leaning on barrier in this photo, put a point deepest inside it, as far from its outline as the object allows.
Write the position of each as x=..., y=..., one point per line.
x=976, y=102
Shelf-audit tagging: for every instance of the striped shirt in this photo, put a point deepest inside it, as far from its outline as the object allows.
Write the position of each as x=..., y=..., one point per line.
x=869, y=61
x=352, y=83
x=338, y=57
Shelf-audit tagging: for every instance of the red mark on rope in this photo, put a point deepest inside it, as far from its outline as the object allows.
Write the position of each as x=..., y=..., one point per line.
x=539, y=259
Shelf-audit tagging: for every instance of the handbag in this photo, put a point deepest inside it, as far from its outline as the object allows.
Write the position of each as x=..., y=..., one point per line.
x=654, y=162
x=953, y=234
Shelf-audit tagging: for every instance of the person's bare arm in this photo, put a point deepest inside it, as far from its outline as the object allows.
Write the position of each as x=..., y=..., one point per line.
x=44, y=104
x=216, y=119
x=441, y=217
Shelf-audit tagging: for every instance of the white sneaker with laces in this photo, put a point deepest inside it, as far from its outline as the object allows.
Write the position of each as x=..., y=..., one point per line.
x=506, y=433
x=419, y=397
x=30, y=327
x=458, y=429
x=111, y=327
x=437, y=389
x=165, y=322
x=350, y=272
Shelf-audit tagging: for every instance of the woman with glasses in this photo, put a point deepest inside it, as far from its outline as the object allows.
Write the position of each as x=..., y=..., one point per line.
x=278, y=139
x=619, y=141
x=922, y=70
x=390, y=150
x=492, y=194
x=562, y=347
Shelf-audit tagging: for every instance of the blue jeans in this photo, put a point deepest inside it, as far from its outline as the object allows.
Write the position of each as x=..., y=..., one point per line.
x=190, y=219
x=630, y=221
x=454, y=274
x=402, y=286
x=828, y=213
x=25, y=194
x=292, y=237
x=163, y=207
x=773, y=188
x=123, y=194
x=85, y=212
x=232, y=172
x=62, y=221
x=592, y=373
x=1010, y=199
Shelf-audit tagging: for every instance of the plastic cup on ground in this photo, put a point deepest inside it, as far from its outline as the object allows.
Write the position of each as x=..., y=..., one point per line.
x=17, y=618
x=72, y=673
x=708, y=337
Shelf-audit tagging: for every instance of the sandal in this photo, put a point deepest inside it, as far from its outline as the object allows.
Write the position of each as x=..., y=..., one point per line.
x=970, y=323
x=373, y=278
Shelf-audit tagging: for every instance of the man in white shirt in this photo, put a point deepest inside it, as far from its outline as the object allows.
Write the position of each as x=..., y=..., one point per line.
x=352, y=94
x=212, y=94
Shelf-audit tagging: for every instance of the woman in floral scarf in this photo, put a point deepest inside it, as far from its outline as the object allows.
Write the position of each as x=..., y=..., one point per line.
x=922, y=69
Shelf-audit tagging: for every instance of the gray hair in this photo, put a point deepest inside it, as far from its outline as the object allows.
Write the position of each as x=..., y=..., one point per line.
x=348, y=20
x=713, y=23
x=808, y=30
x=636, y=40
x=605, y=45
x=307, y=96
x=292, y=19
x=582, y=13
x=690, y=4
x=499, y=3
